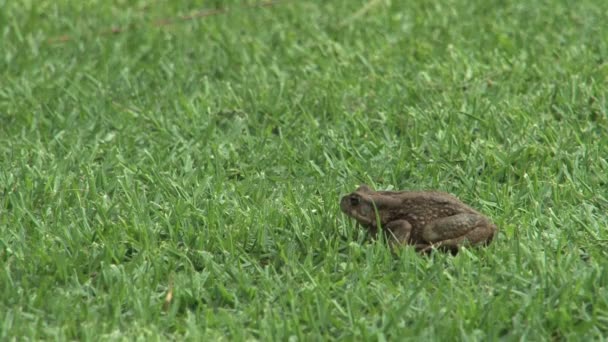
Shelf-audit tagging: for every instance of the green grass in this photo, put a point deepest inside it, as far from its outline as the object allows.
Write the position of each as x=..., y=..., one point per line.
x=206, y=159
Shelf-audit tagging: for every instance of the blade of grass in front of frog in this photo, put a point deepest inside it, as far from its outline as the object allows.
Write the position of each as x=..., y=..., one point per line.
x=378, y=221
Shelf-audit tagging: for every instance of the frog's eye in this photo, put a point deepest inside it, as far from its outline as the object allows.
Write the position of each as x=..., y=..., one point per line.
x=355, y=201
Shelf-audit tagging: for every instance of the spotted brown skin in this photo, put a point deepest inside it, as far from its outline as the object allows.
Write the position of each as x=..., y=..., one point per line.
x=424, y=219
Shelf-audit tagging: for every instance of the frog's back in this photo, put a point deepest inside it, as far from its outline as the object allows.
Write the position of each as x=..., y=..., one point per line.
x=422, y=207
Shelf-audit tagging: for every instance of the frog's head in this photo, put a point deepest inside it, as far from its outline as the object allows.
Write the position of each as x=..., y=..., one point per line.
x=365, y=205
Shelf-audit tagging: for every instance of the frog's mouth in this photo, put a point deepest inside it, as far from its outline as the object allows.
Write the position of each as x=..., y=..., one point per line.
x=361, y=211
x=344, y=205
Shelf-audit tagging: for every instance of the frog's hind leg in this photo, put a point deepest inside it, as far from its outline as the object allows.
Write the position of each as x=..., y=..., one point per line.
x=474, y=227
x=481, y=235
x=476, y=237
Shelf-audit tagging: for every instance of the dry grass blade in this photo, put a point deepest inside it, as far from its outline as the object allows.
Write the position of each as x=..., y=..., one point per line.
x=171, y=21
x=361, y=12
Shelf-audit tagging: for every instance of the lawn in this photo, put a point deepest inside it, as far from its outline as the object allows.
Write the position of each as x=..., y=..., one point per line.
x=179, y=178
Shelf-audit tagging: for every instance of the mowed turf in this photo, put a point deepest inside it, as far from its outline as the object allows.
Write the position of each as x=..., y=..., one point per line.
x=180, y=179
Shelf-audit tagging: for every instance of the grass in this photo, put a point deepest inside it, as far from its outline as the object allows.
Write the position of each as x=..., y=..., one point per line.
x=204, y=160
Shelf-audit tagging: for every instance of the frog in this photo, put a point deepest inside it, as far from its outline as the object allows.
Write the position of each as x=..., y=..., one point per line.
x=428, y=220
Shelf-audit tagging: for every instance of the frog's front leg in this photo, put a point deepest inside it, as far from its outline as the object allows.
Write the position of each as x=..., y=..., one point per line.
x=453, y=231
x=398, y=232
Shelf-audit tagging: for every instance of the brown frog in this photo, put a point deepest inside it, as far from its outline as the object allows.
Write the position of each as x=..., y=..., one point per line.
x=425, y=219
